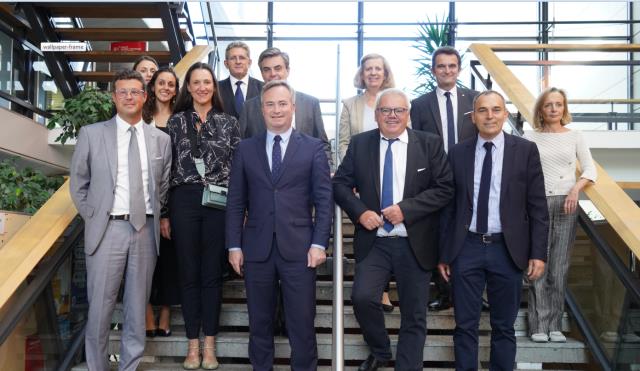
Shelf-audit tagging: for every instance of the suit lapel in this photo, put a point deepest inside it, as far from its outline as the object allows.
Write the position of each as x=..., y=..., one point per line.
x=461, y=97
x=230, y=98
x=292, y=148
x=374, y=158
x=469, y=163
x=435, y=110
x=359, y=109
x=261, y=149
x=508, y=159
x=150, y=144
x=411, y=168
x=111, y=146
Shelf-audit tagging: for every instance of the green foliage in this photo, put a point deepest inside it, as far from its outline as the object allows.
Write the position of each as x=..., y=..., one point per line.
x=90, y=106
x=431, y=36
x=25, y=190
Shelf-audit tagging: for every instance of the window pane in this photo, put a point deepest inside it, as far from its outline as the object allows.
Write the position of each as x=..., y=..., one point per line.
x=315, y=12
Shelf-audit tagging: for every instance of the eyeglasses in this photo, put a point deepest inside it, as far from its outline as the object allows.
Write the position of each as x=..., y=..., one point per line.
x=123, y=93
x=387, y=111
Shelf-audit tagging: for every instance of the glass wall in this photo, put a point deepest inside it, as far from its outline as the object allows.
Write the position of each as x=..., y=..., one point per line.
x=312, y=31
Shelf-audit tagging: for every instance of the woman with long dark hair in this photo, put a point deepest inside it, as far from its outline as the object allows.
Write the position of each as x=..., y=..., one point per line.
x=203, y=140
x=162, y=90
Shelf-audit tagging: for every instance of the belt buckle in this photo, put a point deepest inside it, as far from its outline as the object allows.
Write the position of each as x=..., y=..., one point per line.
x=486, y=238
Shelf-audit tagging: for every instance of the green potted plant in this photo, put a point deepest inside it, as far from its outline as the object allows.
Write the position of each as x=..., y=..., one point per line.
x=22, y=193
x=89, y=106
x=431, y=36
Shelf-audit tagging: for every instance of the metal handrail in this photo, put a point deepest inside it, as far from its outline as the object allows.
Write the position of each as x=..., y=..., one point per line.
x=337, y=350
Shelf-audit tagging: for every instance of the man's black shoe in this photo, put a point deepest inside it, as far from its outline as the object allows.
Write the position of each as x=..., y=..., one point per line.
x=439, y=304
x=371, y=364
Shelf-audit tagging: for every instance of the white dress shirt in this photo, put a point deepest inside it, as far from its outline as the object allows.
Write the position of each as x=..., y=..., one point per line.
x=244, y=86
x=442, y=105
x=121, y=195
x=497, y=155
x=399, y=150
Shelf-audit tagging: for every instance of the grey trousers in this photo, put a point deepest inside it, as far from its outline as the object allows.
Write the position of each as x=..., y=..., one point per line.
x=123, y=251
x=546, y=294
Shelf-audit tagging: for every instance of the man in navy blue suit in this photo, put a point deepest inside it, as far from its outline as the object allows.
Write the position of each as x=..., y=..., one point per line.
x=279, y=178
x=494, y=230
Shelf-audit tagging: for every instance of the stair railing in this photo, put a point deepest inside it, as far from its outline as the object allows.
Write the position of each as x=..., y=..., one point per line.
x=337, y=343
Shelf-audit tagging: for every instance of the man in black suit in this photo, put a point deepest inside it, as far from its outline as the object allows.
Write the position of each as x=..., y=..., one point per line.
x=274, y=65
x=403, y=180
x=497, y=228
x=237, y=59
x=445, y=111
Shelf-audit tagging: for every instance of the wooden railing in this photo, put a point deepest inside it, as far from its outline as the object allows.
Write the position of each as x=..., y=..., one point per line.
x=613, y=203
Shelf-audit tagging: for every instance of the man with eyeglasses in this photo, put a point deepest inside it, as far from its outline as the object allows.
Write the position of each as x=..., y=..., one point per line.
x=403, y=180
x=239, y=86
x=119, y=179
x=445, y=111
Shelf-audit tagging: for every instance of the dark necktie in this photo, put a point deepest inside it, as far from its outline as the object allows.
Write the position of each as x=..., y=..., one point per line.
x=482, y=214
x=451, y=127
x=239, y=97
x=137, y=208
x=276, y=158
x=387, y=182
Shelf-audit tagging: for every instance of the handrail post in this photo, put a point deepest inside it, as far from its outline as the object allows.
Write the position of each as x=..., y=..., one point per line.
x=337, y=351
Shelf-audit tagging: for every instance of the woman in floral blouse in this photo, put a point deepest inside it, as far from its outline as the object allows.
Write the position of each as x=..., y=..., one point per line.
x=200, y=131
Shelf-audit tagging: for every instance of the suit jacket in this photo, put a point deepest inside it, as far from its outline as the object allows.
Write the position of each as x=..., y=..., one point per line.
x=351, y=120
x=308, y=119
x=284, y=206
x=427, y=188
x=425, y=114
x=523, y=205
x=228, y=98
x=93, y=172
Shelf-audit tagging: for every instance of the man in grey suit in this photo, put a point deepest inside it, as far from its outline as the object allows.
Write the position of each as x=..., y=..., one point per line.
x=119, y=179
x=274, y=65
x=446, y=112
x=239, y=86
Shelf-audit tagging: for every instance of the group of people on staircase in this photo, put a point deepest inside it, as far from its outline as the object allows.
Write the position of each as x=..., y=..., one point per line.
x=184, y=178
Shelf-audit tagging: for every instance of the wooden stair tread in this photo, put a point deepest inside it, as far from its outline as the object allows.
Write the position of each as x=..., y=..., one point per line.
x=117, y=34
x=104, y=10
x=117, y=57
x=97, y=76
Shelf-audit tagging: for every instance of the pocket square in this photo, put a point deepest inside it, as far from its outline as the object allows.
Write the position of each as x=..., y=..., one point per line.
x=422, y=169
x=158, y=158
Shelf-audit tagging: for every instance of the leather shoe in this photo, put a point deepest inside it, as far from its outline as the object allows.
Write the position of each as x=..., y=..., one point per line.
x=387, y=308
x=151, y=333
x=439, y=304
x=371, y=364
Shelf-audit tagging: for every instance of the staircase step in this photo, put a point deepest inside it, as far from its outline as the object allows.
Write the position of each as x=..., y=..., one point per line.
x=437, y=348
x=96, y=76
x=233, y=315
x=104, y=10
x=117, y=34
x=162, y=57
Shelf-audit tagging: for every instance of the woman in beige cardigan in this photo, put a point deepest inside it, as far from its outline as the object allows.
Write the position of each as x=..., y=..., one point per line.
x=373, y=75
x=358, y=112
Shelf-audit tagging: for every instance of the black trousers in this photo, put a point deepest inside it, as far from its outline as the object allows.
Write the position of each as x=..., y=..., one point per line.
x=198, y=235
x=392, y=256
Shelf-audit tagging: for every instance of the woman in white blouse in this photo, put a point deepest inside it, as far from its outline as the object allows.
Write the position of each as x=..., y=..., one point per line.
x=560, y=149
x=373, y=75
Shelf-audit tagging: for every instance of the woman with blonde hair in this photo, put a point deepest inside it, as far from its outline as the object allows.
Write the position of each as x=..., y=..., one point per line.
x=560, y=150
x=358, y=112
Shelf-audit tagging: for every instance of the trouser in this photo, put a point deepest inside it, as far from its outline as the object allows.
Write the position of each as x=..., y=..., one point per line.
x=546, y=294
x=387, y=256
x=479, y=264
x=122, y=251
x=198, y=235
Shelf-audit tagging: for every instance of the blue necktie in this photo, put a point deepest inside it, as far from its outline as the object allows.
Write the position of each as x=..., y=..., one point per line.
x=451, y=127
x=276, y=158
x=482, y=214
x=239, y=97
x=387, y=182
